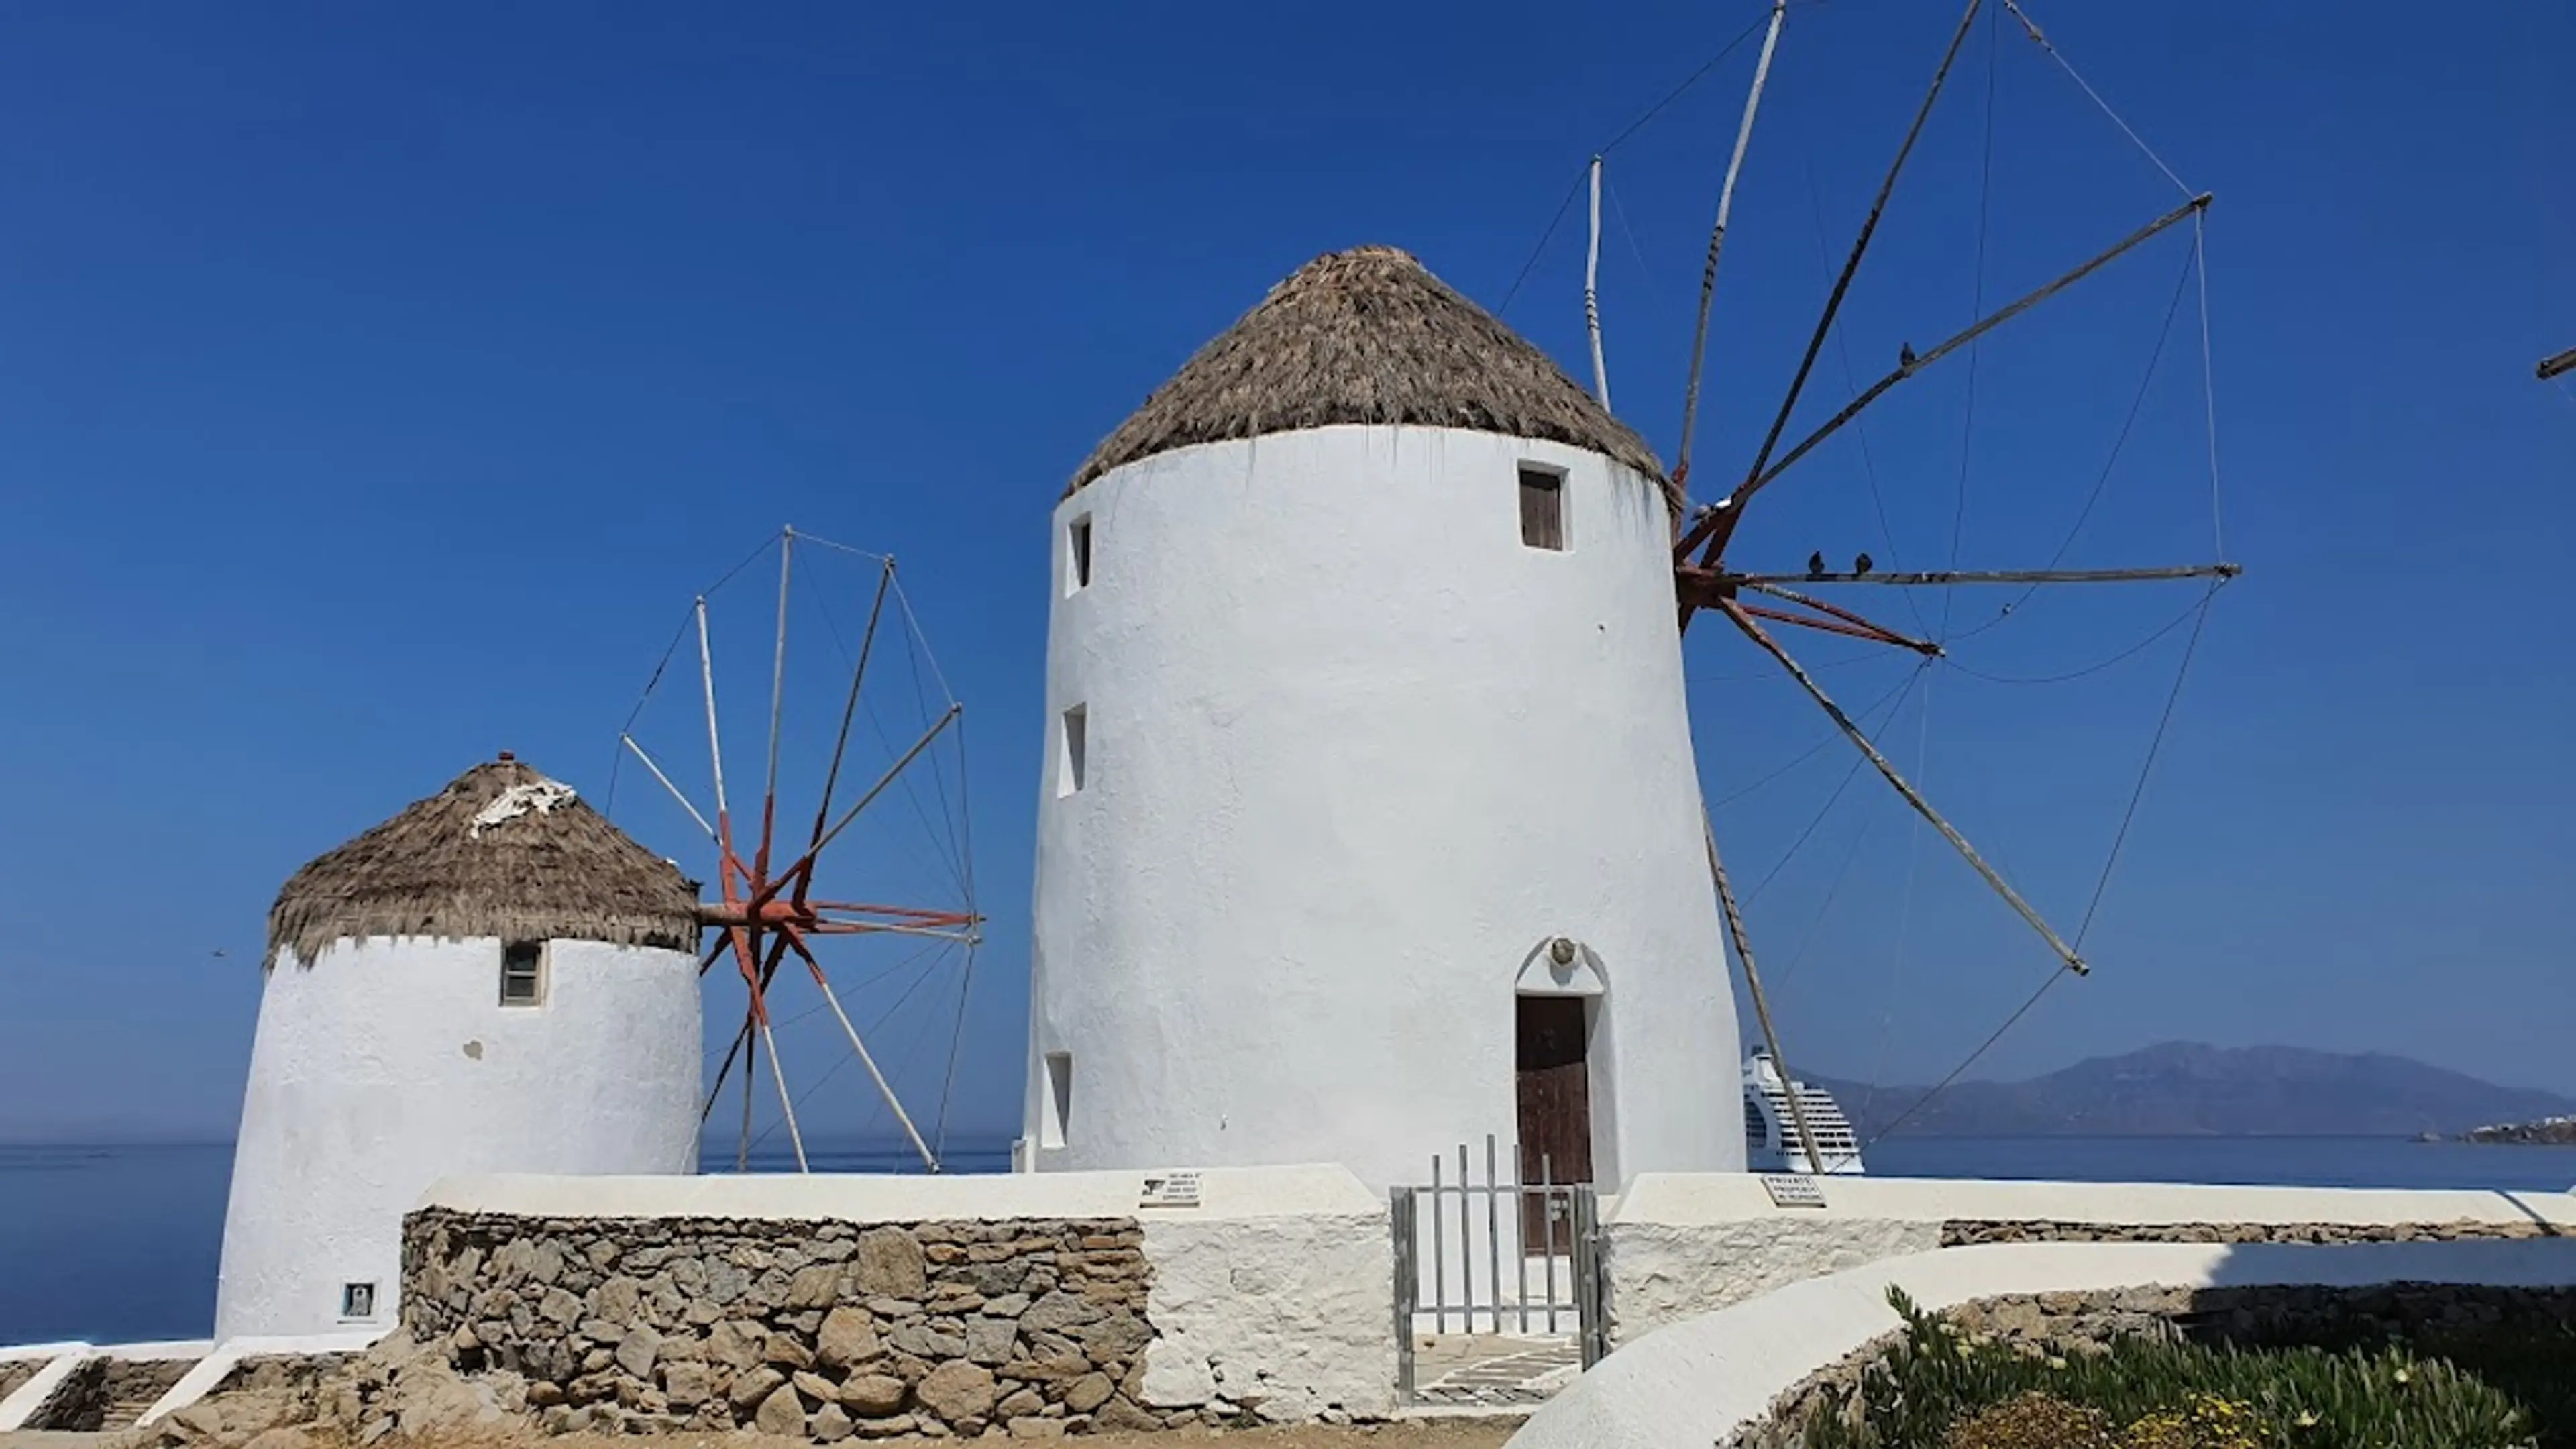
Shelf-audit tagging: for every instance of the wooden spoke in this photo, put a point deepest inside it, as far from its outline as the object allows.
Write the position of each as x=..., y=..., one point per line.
x=849, y=711
x=1914, y=363
x=1948, y=577
x=1851, y=268
x=629, y=741
x=786, y=1099
x=929, y=1159
x=1753, y=985
x=1754, y=631
x=724, y=1072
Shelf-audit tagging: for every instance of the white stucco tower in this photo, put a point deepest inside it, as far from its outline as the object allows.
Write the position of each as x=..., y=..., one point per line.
x=1370, y=822
x=495, y=980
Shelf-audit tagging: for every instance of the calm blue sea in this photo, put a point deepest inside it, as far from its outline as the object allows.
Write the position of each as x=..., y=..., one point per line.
x=115, y=1244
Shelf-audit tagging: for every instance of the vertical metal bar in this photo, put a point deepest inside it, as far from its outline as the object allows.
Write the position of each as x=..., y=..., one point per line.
x=1408, y=1284
x=1493, y=1233
x=1587, y=1272
x=1439, y=1257
x=1520, y=1232
x=1466, y=1249
x=1547, y=1224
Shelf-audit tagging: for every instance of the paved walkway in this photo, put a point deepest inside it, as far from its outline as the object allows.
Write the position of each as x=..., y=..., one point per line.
x=1491, y=1371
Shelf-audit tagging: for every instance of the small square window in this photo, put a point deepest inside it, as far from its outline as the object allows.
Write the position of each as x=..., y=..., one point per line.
x=1077, y=555
x=357, y=1300
x=1057, y=1114
x=523, y=973
x=1070, y=752
x=1542, y=507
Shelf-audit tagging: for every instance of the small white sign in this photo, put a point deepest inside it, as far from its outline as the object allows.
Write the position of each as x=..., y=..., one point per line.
x=1171, y=1190
x=1793, y=1190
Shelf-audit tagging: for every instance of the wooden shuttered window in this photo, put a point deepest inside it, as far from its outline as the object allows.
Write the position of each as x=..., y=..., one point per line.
x=1542, y=508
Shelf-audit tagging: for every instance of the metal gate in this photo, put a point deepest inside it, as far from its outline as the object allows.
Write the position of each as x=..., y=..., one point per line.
x=1499, y=1257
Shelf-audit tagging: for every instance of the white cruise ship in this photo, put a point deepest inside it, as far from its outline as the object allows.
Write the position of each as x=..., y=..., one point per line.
x=1771, y=1135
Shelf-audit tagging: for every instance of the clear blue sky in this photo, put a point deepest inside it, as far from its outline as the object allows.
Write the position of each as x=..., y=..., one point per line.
x=377, y=383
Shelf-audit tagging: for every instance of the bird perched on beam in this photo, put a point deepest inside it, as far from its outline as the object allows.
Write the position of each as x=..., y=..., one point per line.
x=1816, y=564
x=1861, y=565
x=1905, y=356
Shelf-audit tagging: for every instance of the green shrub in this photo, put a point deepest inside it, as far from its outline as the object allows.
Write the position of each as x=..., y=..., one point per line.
x=2160, y=1392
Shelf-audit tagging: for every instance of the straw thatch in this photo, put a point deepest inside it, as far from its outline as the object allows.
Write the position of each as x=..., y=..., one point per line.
x=1367, y=336
x=542, y=866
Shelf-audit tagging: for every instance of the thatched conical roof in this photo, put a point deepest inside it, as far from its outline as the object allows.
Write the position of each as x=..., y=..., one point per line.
x=1367, y=336
x=502, y=851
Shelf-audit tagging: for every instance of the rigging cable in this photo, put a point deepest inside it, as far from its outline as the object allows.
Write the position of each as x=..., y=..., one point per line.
x=2176, y=622
x=1811, y=751
x=1976, y=349
x=2199, y=243
x=1815, y=928
x=1543, y=238
x=616, y=756
x=974, y=938
x=608, y=806
x=2031, y=28
x=1646, y=274
x=1851, y=385
x=1912, y=676
x=2119, y=839
x=1632, y=128
x=1904, y=910
x=816, y=1085
x=2119, y=445
x=2208, y=382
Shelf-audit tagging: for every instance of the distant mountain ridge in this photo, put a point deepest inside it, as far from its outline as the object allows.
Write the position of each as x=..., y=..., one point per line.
x=2184, y=1089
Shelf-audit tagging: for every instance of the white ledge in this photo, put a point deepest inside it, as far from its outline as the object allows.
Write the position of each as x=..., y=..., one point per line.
x=1693, y=1199
x=1226, y=1192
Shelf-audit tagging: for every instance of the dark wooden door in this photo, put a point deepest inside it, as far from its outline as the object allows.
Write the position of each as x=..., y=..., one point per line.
x=1555, y=1107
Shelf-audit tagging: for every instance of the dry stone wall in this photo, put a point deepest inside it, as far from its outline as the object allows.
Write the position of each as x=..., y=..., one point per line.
x=831, y=1330
x=1961, y=1233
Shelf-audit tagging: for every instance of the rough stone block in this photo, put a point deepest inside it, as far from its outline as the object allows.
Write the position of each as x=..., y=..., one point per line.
x=958, y=1392
x=847, y=1338
x=753, y=1386
x=638, y=1349
x=989, y=1340
x=780, y=1413
x=1088, y=1393
x=687, y=1385
x=889, y=1263
x=873, y=1396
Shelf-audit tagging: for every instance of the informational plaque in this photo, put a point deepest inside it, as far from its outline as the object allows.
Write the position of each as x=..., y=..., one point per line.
x=1793, y=1190
x=1171, y=1190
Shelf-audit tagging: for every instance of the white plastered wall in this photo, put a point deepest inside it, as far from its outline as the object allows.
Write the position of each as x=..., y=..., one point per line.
x=1353, y=754
x=1678, y=1245
x=389, y=1063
